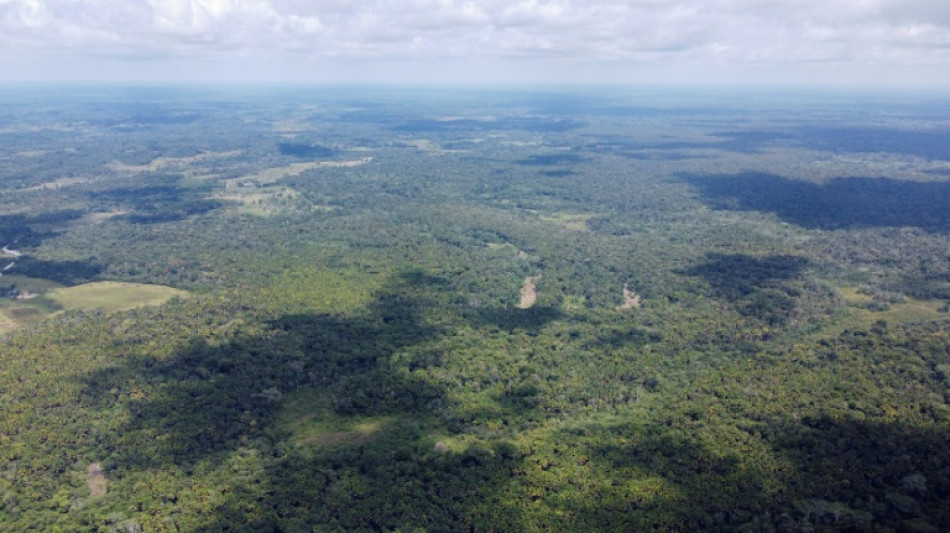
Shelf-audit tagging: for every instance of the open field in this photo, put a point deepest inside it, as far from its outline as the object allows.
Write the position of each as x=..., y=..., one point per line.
x=162, y=162
x=46, y=298
x=910, y=311
x=28, y=284
x=271, y=175
x=6, y=323
x=571, y=221
x=112, y=295
x=263, y=201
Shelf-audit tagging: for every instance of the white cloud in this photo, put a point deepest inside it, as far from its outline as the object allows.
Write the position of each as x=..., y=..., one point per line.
x=632, y=34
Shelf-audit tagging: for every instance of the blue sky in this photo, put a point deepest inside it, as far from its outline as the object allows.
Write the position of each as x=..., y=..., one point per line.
x=864, y=42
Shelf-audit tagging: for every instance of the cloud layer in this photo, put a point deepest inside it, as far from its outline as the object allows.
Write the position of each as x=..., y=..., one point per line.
x=637, y=34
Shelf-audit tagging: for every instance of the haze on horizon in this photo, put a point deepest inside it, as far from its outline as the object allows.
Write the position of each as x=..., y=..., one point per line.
x=803, y=42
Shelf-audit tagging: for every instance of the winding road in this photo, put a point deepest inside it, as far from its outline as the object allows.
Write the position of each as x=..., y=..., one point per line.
x=9, y=252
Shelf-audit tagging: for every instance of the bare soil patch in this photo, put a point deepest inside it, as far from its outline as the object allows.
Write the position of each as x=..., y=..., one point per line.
x=96, y=480
x=529, y=293
x=631, y=300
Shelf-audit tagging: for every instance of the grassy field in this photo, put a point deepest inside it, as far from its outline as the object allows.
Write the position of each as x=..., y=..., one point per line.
x=6, y=324
x=910, y=311
x=263, y=201
x=572, y=221
x=106, y=295
x=851, y=295
x=112, y=295
x=28, y=284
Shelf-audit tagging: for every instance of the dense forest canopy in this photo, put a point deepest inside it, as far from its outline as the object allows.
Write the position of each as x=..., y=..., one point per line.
x=394, y=309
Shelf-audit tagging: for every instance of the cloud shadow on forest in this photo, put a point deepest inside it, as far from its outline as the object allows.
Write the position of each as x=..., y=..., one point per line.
x=68, y=273
x=22, y=230
x=678, y=150
x=845, y=474
x=930, y=143
x=735, y=276
x=890, y=472
x=840, y=203
x=162, y=200
x=208, y=401
x=759, y=286
x=208, y=395
x=563, y=158
x=411, y=123
x=531, y=319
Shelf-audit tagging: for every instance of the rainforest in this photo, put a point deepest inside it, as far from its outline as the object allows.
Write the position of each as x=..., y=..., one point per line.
x=427, y=309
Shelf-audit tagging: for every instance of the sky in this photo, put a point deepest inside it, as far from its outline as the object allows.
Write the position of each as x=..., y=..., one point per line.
x=780, y=42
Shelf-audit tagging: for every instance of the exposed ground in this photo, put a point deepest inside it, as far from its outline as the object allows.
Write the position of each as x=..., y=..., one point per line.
x=631, y=300
x=9, y=252
x=96, y=480
x=529, y=293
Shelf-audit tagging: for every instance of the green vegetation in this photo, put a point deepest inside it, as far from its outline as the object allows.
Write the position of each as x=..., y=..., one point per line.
x=720, y=338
